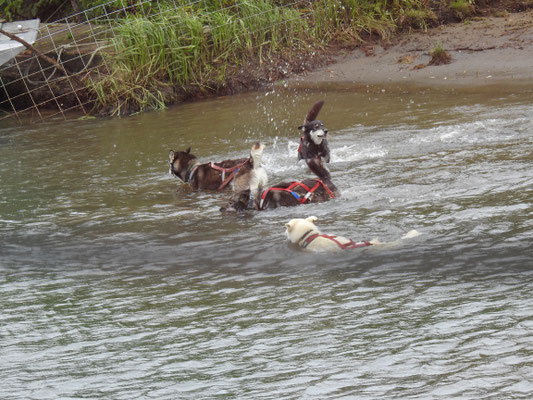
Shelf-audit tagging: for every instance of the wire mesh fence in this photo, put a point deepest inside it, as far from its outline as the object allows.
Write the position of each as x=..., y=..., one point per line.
x=52, y=79
x=32, y=88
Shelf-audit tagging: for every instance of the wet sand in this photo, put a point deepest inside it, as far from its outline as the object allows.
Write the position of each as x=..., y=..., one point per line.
x=486, y=51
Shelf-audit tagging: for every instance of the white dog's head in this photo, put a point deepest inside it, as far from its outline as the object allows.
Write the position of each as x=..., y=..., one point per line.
x=297, y=228
x=257, y=153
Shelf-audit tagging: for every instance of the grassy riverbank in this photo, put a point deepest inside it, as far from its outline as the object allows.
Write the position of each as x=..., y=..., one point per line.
x=202, y=48
x=154, y=53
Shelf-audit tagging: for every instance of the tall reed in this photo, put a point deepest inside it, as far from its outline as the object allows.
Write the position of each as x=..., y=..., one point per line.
x=195, y=43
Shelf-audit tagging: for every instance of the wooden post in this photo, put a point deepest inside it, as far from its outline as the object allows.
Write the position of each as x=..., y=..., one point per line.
x=43, y=56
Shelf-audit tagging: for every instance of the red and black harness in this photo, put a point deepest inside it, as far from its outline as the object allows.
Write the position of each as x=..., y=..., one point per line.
x=344, y=246
x=302, y=199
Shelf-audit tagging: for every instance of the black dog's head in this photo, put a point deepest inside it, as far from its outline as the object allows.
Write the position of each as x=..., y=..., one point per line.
x=180, y=162
x=314, y=143
x=314, y=131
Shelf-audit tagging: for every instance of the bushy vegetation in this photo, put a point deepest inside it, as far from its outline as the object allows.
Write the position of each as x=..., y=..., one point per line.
x=194, y=44
x=439, y=56
x=463, y=8
x=199, y=44
x=168, y=48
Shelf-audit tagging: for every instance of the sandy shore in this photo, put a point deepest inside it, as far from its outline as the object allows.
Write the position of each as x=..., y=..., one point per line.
x=486, y=51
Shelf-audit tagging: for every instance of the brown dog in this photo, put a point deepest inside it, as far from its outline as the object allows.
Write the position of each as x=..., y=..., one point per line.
x=236, y=174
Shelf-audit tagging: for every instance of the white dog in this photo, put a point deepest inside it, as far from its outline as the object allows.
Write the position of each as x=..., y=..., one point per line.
x=305, y=234
x=259, y=177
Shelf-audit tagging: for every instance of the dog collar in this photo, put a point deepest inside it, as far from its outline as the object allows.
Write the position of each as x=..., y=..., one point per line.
x=191, y=171
x=303, y=241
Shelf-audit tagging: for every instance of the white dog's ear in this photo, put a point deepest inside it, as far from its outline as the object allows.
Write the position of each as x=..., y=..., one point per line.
x=312, y=219
x=289, y=226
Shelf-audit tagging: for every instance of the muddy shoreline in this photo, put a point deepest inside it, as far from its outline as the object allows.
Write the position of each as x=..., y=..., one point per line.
x=485, y=51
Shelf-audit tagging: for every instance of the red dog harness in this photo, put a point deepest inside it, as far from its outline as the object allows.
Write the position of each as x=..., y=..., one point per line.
x=300, y=147
x=301, y=199
x=232, y=171
x=344, y=246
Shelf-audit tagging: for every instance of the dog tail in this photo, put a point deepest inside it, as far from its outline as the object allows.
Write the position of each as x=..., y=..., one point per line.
x=409, y=235
x=312, y=114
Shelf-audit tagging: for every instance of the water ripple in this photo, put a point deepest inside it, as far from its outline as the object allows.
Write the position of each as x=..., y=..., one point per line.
x=116, y=281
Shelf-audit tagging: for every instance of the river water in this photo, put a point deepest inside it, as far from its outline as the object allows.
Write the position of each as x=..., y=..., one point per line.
x=119, y=282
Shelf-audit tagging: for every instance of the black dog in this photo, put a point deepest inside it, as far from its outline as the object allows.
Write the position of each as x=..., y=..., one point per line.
x=314, y=142
x=287, y=194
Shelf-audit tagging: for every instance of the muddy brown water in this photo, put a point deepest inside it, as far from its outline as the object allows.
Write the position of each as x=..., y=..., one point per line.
x=117, y=281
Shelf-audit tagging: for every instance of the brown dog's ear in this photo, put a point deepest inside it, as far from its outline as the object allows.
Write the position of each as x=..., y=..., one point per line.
x=171, y=155
x=188, y=150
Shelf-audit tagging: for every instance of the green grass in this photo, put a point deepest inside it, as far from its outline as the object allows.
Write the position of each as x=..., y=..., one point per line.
x=199, y=44
x=439, y=56
x=463, y=8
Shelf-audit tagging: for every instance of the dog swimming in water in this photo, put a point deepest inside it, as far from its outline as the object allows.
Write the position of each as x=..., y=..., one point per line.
x=314, y=141
x=287, y=194
x=237, y=174
x=304, y=233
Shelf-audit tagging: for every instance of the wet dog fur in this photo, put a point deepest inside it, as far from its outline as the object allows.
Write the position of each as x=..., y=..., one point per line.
x=314, y=142
x=300, y=230
x=248, y=199
x=185, y=166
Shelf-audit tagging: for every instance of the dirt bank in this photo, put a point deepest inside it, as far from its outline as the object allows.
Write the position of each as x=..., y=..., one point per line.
x=484, y=51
